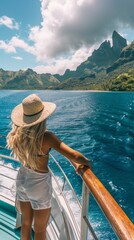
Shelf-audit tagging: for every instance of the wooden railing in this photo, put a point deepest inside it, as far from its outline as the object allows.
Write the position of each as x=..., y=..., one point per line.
x=119, y=221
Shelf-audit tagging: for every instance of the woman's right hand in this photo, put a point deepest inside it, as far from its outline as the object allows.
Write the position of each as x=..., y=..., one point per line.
x=80, y=166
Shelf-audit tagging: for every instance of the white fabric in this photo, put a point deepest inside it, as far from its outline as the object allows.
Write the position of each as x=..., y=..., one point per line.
x=34, y=187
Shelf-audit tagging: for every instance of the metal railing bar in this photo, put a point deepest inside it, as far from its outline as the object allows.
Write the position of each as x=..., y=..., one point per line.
x=66, y=179
x=6, y=198
x=68, y=206
x=3, y=186
x=84, y=212
x=60, y=189
x=90, y=228
x=2, y=147
x=52, y=230
x=55, y=222
x=9, y=157
x=85, y=224
x=63, y=195
x=1, y=174
x=5, y=166
x=55, y=227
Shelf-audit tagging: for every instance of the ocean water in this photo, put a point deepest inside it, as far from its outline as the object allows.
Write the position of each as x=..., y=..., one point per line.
x=101, y=126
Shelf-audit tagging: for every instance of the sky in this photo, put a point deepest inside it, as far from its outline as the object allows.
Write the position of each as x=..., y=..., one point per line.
x=50, y=36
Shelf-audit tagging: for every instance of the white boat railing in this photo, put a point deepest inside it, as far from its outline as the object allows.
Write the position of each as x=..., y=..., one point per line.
x=66, y=178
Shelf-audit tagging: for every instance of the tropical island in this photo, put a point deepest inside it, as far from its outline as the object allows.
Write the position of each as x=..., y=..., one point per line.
x=109, y=68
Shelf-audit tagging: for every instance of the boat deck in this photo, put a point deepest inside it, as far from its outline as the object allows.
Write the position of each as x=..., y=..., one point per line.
x=8, y=222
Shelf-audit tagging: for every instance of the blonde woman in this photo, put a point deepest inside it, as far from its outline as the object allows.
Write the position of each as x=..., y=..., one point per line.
x=30, y=143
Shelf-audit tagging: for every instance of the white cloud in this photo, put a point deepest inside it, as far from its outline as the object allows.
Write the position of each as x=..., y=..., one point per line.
x=7, y=47
x=69, y=31
x=9, y=22
x=15, y=42
x=70, y=25
x=60, y=65
x=17, y=58
x=19, y=43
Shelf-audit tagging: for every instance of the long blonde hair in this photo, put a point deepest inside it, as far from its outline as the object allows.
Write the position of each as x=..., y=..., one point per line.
x=26, y=143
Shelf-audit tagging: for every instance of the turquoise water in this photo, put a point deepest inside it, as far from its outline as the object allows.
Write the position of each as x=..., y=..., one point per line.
x=101, y=126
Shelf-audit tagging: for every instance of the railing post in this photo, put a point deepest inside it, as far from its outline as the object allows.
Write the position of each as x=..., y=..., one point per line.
x=84, y=212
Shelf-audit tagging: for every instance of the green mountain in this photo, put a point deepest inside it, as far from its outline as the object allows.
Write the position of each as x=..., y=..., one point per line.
x=117, y=77
x=28, y=79
x=120, y=79
x=112, y=68
x=120, y=76
x=126, y=56
x=100, y=59
x=108, y=68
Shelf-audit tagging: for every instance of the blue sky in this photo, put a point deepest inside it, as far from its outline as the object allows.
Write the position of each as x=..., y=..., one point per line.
x=26, y=13
x=53, y=35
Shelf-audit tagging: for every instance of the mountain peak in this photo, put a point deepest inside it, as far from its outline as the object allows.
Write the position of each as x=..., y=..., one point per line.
x=115, y=33
x=105, y=44
x=29, y=70
x=118, y=43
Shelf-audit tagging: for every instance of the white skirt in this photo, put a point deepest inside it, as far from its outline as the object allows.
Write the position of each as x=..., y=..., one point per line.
x=34, y=187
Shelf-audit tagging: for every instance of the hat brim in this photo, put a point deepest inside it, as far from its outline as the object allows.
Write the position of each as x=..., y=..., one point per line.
x=19, y=119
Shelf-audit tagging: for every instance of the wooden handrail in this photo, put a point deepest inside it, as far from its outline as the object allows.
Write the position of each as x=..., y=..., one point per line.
x=120, y=222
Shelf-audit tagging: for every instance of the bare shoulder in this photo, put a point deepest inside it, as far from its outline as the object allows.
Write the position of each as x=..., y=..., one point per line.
x=54, y=142
x=47, y=134
x=51, y=139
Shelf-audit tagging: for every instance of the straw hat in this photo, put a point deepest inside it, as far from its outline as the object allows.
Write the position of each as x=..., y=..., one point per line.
x=31, y=111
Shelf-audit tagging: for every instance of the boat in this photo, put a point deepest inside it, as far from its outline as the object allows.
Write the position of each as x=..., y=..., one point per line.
x=66, y=221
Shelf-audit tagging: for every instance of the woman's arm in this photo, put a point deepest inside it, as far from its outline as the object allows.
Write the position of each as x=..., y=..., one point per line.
x=74, y=156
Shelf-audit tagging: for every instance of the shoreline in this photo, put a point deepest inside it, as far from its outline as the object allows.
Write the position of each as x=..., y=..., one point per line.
x=63, y=90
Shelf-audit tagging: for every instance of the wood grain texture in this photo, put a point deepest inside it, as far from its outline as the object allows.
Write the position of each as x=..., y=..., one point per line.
x=119, y=221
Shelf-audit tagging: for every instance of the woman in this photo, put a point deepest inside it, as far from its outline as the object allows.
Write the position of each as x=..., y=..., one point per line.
x=31, y=142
